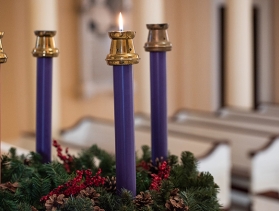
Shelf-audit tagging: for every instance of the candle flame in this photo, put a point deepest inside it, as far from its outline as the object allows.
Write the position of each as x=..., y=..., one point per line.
x=120, y=21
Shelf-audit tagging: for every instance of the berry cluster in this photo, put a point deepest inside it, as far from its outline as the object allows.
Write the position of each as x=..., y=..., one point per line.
x=163, y=173
x=145, y=165
x=67, y=159
x=82, y=180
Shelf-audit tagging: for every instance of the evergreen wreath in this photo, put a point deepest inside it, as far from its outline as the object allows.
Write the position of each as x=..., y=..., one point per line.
x=77, y=183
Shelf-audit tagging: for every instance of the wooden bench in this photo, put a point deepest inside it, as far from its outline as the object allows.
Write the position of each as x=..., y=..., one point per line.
x=209, y=151
x=5, y=147
x=266, y=111
x=270, y=108
x=268, y=200
x=25, y=145
x=253, y=115
x=254, y=123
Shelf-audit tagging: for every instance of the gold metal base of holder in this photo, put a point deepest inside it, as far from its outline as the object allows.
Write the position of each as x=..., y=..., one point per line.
x=45, y=45
x=3, y=56
x=158, y=39
x=122, y=51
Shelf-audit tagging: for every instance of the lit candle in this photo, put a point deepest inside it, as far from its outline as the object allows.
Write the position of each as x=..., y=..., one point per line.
x=3, y=59
x=120, y=20
x=44, y=51
x=122, y=56
x=158, y=43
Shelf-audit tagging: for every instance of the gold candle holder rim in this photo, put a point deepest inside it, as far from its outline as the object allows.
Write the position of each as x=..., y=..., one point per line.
x=3, y=56
x=1, y=34
x=127, y=57
x=122, y=34
x=45, y=33
x=157, y=26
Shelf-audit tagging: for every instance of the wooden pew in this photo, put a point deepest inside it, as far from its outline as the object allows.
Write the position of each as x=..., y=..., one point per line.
x=266, y=111
x=209, y=151
x=25, y=145
x=254, y=123
x=5, y=147
x=270, y=108
x=253, y=115
x=268, y=200
x=254, y=153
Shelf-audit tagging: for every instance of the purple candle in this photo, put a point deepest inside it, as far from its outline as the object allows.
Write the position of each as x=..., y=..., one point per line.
x=124, y=128
x=43, y=108
x=122, y=56
x=158, y=44
x=158, y=86
x=44, y=51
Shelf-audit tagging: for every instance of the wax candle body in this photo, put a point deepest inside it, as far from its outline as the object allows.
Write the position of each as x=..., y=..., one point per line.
x=124, y=128
x=158, y=81
x=43, y=112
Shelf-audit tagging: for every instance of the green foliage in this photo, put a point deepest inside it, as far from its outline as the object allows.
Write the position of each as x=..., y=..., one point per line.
x=24, y=207
x=173, y=160
x=143, y=180
x=197, y=201
x=87, y=157
x=198, y=190
x=35, y=179
x=8, y=205
x=107, y=200
x=146, y=153
x=77, y=204
x=126, y=201
x=7, y=201
x=187, y=170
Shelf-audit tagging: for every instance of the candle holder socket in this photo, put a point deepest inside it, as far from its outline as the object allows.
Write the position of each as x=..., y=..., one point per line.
x=122, y=51
x=3, y=56
x=45, y=45
x=158, y=39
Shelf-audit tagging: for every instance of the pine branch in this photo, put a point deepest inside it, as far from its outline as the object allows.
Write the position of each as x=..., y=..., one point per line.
x=143, y=181
x=191, y=198
x=86, y=161
x=108, y=201
x=173, y=160
x=77, y=204
x=126, y=198
x=146, y=153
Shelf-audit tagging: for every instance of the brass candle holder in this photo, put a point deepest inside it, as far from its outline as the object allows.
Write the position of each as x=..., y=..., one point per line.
x=3, y=56
x=122, y=51
x=45, y=44
x=158, y=39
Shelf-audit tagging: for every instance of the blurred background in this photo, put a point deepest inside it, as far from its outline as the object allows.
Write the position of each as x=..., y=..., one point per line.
x=225, y=54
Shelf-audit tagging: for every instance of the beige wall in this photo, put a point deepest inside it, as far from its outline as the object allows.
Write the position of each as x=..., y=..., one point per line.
x=73, y=106
x=15, y=75
x=18, y=78
x=172, y=14
x=190, y=83
x=189, y=63
x=144, y=12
